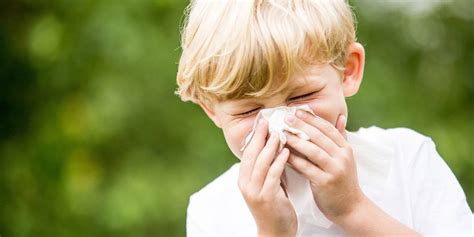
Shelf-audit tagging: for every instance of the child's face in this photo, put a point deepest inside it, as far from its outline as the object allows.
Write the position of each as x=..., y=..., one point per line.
x=321, y=87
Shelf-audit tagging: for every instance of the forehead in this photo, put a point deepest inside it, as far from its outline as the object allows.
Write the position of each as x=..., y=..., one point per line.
x=309, y=75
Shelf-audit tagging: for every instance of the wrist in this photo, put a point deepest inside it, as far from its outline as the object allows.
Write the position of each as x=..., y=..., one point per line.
x=367, y=218
x=273, y=233
x=261, y=234
x=356, y=214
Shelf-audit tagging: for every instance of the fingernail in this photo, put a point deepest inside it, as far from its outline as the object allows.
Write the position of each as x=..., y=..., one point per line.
x=274, y=135
x=290, y=119
x=344, y=120
x=283, y=151
x=300, y=113
x=288, y=136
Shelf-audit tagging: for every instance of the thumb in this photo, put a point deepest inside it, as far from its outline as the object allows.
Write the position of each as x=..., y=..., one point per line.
x=341, y=125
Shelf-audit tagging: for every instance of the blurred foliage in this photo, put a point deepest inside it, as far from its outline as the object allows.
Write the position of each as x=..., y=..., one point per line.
x=93, y=142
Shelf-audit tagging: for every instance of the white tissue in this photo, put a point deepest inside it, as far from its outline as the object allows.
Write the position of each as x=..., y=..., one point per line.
x=372, y=161
x=276, y=123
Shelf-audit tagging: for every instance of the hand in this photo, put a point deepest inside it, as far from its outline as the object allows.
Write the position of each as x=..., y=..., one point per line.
x=259, y=182
x=327, y=161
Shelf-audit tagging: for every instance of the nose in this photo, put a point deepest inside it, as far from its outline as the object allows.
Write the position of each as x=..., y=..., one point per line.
x=284, y=103
x=277, y=105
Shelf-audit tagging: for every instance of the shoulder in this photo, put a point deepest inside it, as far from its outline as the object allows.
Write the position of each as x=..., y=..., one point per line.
x=401, y=139
x=410, y=148
x=399, y=134
x=221, y=188
x=431, y=188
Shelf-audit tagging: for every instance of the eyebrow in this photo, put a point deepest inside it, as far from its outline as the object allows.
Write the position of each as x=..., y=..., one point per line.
x=239, y=102
x=306, y=84
x=300, y=86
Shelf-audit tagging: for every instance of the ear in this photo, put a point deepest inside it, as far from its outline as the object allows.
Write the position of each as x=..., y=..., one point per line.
x=211, y=113
x=354, y=69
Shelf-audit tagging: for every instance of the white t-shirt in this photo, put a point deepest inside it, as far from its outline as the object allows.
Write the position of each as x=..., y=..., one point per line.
x=421, y=192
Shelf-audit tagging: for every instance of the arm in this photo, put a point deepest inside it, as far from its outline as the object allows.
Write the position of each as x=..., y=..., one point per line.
x=327, y=161
x=367, y=219
x=438, y=201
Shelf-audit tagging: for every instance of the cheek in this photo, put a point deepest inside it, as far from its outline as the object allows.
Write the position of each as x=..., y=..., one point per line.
x=328, y=108
x=235, y=134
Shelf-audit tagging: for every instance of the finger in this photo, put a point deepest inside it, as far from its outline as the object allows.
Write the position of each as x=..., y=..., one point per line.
x=341, y=125
x=311, y=151
x=316, y=136
x=272, y=180
x=257, y=141
x=324, y=126
x=251, y=152
x=264, y=161
x=309, y=170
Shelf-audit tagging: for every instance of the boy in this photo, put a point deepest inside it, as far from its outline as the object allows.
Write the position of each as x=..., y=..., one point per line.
x=241, y=57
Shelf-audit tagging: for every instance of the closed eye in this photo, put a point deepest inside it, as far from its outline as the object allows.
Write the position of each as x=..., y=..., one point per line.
x=247, y=112
x=302, y=96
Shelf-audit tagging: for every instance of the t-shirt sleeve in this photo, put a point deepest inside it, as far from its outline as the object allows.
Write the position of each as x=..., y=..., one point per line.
x=438, y=202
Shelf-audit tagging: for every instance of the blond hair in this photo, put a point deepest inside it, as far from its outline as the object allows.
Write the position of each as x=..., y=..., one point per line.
x=238, y=48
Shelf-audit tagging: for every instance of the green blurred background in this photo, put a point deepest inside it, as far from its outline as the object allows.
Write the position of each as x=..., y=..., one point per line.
x=93, y=142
